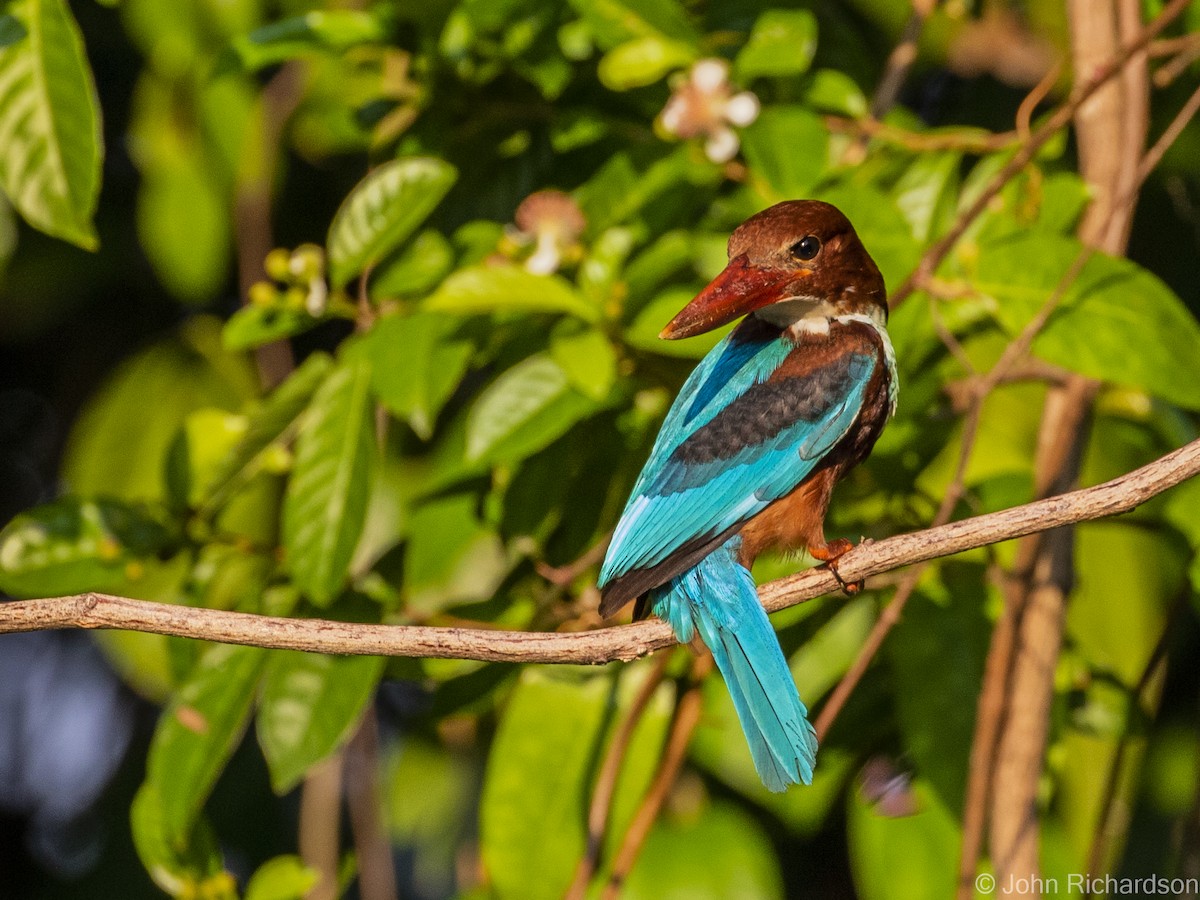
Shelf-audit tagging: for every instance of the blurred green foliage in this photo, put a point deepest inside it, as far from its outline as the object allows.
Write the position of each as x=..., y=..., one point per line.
x=481, y=378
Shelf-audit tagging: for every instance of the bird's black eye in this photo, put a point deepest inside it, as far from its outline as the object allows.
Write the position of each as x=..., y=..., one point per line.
x=807, y=247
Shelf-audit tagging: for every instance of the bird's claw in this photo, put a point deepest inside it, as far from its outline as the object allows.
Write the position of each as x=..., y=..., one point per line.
x=830, y=554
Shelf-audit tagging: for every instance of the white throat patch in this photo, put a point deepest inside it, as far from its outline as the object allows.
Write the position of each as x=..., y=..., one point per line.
x=799, y=315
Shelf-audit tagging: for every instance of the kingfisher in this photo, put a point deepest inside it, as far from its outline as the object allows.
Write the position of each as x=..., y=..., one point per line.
x=747, y=457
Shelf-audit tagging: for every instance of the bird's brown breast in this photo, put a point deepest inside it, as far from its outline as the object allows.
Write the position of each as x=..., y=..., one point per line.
x=796, y=521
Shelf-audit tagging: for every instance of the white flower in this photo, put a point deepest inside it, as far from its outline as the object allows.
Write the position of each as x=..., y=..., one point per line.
x=552, y=221
x=703, y=104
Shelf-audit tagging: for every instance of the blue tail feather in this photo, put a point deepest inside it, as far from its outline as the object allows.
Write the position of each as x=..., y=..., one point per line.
x=717, y=599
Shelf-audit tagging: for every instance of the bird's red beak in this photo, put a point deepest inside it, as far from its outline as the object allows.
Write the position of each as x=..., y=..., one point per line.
x=740, y=289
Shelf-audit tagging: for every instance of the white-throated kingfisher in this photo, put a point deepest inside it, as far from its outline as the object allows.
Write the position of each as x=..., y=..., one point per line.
x=749, y=453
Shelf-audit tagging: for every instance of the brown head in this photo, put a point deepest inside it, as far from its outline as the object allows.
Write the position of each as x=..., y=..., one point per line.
x=798, y=258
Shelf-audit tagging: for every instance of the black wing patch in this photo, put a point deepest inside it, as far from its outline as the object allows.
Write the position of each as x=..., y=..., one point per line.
x=764, y=410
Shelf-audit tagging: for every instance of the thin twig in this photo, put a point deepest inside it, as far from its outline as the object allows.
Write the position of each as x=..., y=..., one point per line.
x=1173, y=68
x=1172, y=45
x=1154, y=155
x=606, y=780
x=624, y=642
x=901, y=59
x=564, y=575
x=256, y=184
x=983, y=743
x=1025, y=111
x=320, y=822
x=373, y=850
x=974, y=141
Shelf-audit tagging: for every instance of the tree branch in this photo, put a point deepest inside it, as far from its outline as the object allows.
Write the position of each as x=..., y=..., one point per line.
x=624, y=642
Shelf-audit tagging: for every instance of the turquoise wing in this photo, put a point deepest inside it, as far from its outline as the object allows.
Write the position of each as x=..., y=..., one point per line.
x=733, y=442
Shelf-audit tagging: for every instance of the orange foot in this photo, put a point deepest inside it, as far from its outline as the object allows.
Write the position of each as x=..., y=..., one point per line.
x=829, y=555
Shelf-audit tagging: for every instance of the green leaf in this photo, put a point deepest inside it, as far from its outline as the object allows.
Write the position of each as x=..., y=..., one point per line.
x=49, y=116
x=661, y=189
x=115, y=448
x=1064, y=198
x=523, y=410
x=268, y=423
x=532, y=810
x=1117, y=322
x=1117, y=560
x=540, y=772
x=310, y=704
x=642, y=61
x=786, y=147
x=723, y=852
x=587, y=359
x=1127, y=575
x=431, y=795
x=614, y=22
x=909, y=856
x=282, y=878
x=937, y=655
x=183, y=220
x=573, y=129
x=601, y=268
x=830, y=90
x=183, y=867
x=253, y=326
x=643, y=332
x=206, y=438
x=488, y=289
x=926, y=192
x=384, y=209
x=314, y=32
x=326, y=501
x=670, y=254
x=199, y=730
x=72, y=545
x=414, y=270
x=417, y=362
x=782, y=42
x=452, y=556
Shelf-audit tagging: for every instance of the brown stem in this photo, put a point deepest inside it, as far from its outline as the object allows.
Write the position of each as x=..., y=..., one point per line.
x=1040, y=90
x=625, y=642
x=920, y=142
x=901, y=59
x=1173, y=68
x=252, y=204
x=320, y=819
x=606, y=781
x=376, y=874
x=979, y=767
x=564, y=575
x=687, y=717
x=1170, y=134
